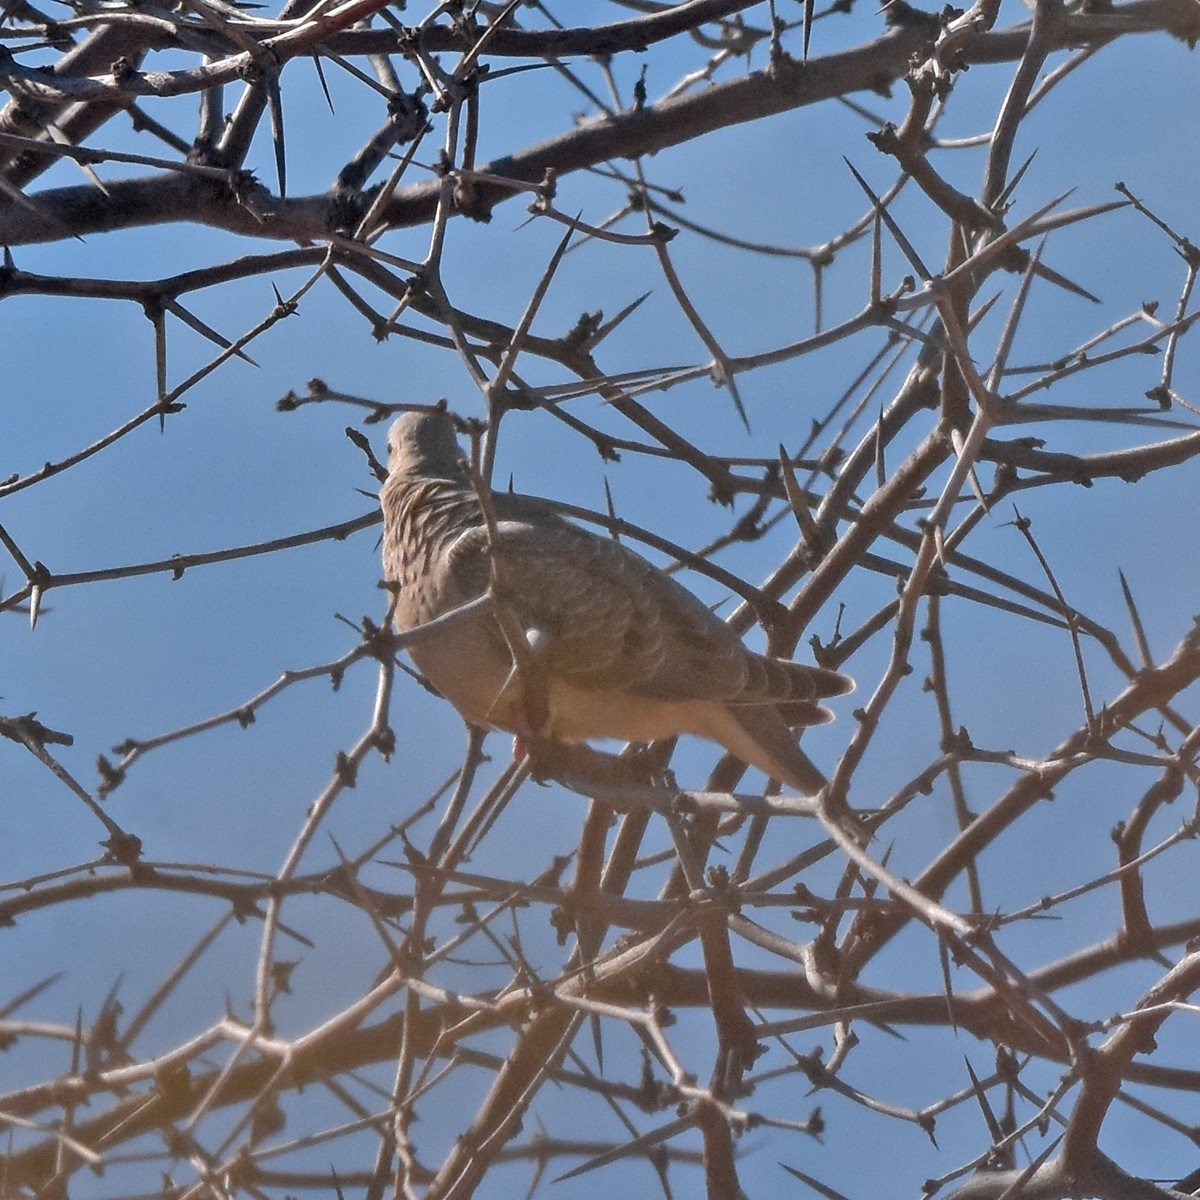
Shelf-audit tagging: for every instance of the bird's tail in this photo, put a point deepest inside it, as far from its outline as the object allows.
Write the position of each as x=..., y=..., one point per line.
x=759, y=735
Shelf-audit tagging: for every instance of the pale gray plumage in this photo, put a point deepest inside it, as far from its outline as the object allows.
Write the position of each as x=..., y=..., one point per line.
x=627, y=652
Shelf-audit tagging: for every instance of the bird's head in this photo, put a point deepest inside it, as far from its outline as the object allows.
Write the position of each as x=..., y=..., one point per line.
x=424, y=443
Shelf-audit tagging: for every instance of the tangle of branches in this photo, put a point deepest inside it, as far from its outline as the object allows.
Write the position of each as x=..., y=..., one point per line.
x=901, y=405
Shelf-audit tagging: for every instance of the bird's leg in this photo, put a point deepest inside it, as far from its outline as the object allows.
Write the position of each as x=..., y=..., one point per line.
x=647, y=762
x=577, y=765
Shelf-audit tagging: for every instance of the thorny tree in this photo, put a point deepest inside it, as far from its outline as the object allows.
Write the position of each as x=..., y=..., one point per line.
x=976, y=950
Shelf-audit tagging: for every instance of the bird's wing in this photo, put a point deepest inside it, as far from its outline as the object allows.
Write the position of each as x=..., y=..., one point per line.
x=615, y=622
x=605, y=627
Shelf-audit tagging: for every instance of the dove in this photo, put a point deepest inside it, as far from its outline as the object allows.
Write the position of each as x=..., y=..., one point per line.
x=615, y=648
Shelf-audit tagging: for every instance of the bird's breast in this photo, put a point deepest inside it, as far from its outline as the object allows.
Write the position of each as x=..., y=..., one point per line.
x=423, y=521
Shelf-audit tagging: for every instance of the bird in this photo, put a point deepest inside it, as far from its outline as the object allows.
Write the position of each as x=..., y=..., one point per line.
x=614, y=646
